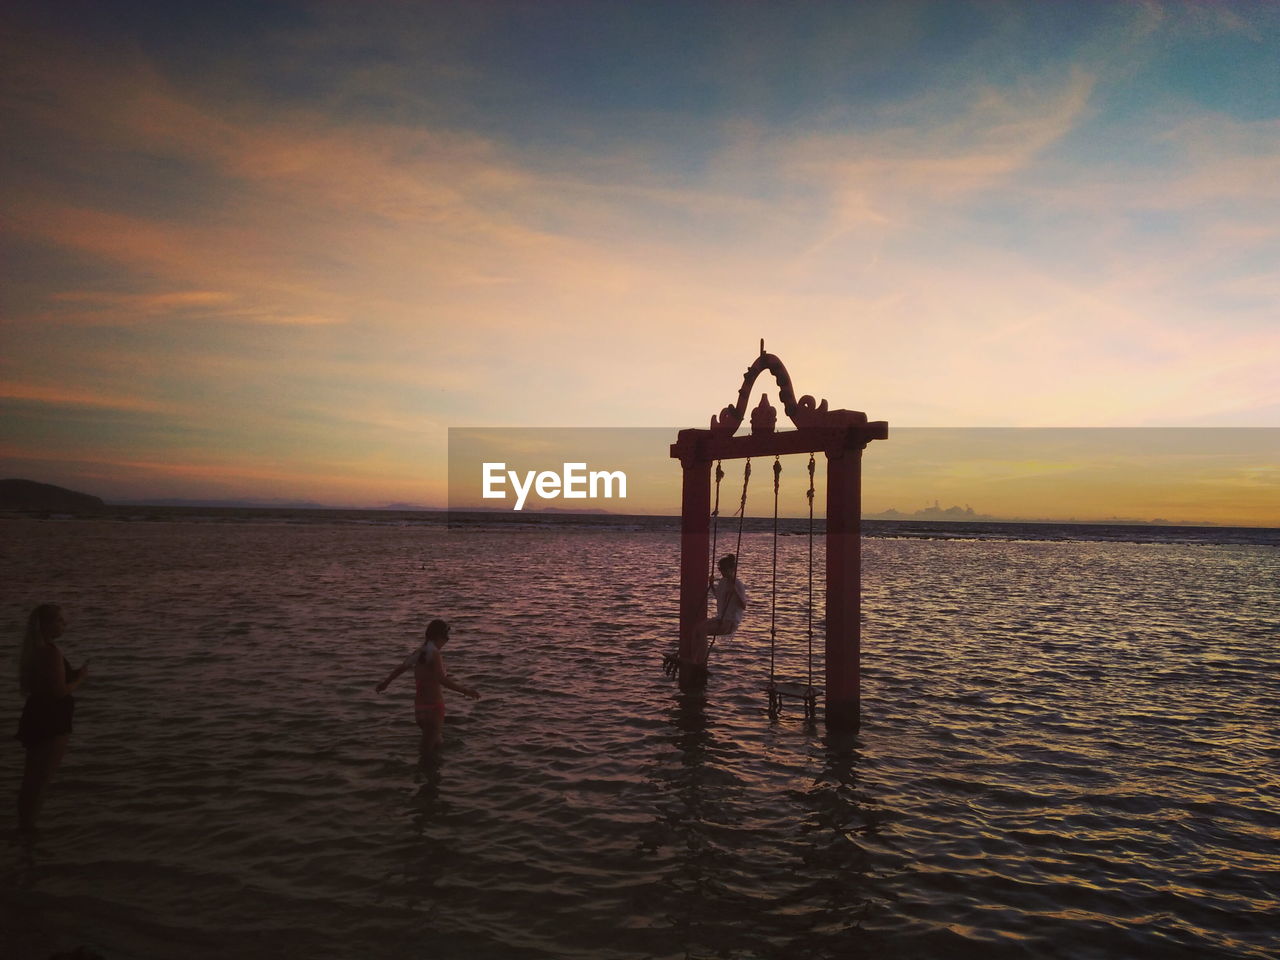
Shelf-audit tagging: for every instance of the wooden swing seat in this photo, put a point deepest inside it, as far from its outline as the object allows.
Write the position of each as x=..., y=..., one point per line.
x=779, y=690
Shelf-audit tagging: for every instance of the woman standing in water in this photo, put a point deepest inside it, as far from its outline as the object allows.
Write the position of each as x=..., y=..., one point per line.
x=48, y=683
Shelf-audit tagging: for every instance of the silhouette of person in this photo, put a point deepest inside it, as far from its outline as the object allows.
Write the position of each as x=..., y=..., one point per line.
x=48, y=683
x=430, y=679
x=731, y=605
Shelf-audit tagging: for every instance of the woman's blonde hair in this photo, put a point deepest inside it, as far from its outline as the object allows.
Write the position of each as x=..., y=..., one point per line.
x=39, y=626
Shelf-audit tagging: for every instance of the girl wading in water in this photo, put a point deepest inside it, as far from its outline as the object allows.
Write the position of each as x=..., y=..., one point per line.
x=48, y=682
x=431, y=679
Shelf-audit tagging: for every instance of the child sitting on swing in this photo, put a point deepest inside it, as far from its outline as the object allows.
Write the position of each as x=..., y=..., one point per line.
x=731, y=604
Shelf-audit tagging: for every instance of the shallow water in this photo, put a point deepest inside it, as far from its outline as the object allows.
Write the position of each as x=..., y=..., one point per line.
x=1069, y=749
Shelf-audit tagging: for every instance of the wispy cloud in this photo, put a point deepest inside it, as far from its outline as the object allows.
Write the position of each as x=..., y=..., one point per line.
x=61, y=396
x=911, y=166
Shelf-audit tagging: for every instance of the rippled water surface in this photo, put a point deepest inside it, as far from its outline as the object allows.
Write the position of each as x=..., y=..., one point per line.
x=1069, y=749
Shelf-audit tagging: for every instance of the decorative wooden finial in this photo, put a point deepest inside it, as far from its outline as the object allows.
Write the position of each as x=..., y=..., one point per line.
x=764, y=418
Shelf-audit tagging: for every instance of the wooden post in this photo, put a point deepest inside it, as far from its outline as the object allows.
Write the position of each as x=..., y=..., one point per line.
x=844, y=582
x=695, y=542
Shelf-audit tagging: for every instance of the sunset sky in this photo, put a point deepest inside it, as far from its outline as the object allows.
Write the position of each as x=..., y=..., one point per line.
x=277, y=250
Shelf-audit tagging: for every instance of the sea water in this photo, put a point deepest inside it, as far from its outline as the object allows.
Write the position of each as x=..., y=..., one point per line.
x=1068, y=749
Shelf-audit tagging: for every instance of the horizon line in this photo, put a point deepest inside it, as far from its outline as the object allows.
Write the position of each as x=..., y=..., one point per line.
x=554, y=511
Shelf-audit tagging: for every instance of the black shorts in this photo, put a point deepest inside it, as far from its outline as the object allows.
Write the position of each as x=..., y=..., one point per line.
x=44, y=717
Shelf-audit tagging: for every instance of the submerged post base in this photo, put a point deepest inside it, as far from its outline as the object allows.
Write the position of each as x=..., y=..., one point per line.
x=844, y=714
x=693, y=676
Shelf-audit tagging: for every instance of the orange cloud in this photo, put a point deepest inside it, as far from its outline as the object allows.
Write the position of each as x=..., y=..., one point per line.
x=70, y=397
x=146, y=302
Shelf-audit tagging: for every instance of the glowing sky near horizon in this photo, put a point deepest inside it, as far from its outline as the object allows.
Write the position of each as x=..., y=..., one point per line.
x=277, y=250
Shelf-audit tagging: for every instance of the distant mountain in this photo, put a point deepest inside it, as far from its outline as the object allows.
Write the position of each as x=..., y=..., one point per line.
x=528, y=510
x=45, y=498
x=936, y=512
x=232, y=504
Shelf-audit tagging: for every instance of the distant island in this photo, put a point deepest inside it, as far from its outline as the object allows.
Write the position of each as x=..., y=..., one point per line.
x=278, y=503
x=32, y=497
x=936, y=512
x=226, y=504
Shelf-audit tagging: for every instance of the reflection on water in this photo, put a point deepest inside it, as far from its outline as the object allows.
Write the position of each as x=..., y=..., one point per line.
x=689, y=894
x=741, y=881
x=789, y=883
x=1068, y=749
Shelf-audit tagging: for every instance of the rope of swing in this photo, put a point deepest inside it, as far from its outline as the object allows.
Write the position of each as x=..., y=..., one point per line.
x=773, y=599
x=810, y=496
x=742, y=512
x=715, y=525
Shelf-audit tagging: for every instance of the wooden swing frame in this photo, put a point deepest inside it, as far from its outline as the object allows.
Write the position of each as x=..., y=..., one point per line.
x=841, y=435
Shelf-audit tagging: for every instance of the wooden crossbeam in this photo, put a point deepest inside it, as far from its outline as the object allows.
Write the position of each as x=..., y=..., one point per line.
x=709, y=445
